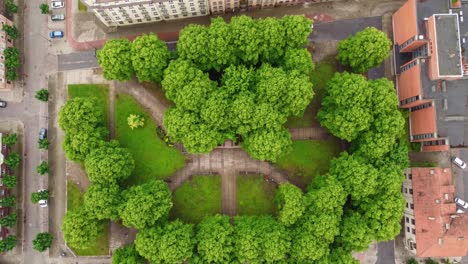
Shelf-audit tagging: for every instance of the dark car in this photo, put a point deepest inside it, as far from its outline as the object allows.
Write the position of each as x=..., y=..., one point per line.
x=3, y=104
x=43, y=133
x=56, y=34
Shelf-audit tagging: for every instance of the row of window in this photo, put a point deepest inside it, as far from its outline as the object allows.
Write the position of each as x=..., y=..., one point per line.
x=409, y=100
x=413, y=231
x=413, y=222
x=410, y=206
x=406, y=190
x=409, y=176
x=409, y=66
x=421, y=107
x=424, y=136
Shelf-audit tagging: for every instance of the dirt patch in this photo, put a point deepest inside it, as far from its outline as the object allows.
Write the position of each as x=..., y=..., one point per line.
x=76, y=174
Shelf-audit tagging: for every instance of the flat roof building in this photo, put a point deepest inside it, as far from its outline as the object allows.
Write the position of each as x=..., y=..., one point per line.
x=431, y=71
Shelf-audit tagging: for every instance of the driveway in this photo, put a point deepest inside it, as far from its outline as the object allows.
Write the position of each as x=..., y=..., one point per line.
x=341, y=29
x=385, y=252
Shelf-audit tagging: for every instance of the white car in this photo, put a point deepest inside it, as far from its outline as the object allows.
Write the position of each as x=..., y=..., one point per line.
x=42, y=203
x=461, y=203
x=460, y=163
x=57, y=4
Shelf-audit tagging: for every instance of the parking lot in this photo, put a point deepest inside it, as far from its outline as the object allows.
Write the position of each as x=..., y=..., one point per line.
x=460, y=177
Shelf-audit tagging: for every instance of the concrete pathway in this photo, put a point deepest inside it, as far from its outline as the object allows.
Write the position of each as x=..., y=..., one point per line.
x=310, y=133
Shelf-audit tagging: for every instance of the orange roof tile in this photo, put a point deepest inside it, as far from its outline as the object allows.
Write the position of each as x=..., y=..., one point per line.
x=423, y=121
x=435, y=148
x=409, y=83
x=433, y=213
x=404, y=22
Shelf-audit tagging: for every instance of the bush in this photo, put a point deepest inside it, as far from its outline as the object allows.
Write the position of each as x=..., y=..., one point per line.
x=7, y=244
x=9, y=220
x=13, y=160
x=135, y=121
x=44, y=9
x=41, y=195
x=43, y=143
x=10, y=140
x=412, y=261
x=10, y=7
x=43, y=168
x=8, y=201
x=42, y=241
x=42, y=95
x=11, y=31
x=9, y=181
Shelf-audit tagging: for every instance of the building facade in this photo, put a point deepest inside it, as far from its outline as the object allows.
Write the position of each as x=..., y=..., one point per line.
x=429, y=64
x=114, y=13
x=5, y=42
x=433, y=227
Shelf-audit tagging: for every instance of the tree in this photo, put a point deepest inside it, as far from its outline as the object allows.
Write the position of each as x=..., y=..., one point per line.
x=145, y=204
x=150, y=57
x=127, y=255
x=12, y=59
x=220, y=49
x=354, y=235
x=297, y=30
x=44, y=9
x=215, y=111
x=346, y=108
x=242, y=112
x=178, y=122
x=290, y=202
x=193, y=45
x=11, y=31
x=11, y=7
x=42, y=95
x=42, y=241
x=78, y=146
x=268, y=144
x=7, y=244
x=202, y=139
x=115, y=59
x=260, y=238
x=80, y=229
x=135, y=121
x=341, y=256
x=273, y=42
x=108, y=164
x=9, y=201
x=10, y=140
x=239, y=80
x=358, y=178
x=246, y=39
x=9, y=181
x=366, y=50
x=13, y=160
x=172, y=243
x=40, y=195
x=299, y=60
x=11, y=75
x=43, y=168
x=103, y=201
x=9, y=220
x=215, y=239
x=80, y=114
x=43, y=143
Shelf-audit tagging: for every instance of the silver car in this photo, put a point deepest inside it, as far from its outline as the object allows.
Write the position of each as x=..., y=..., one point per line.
x=461, y=203
x=59, y=17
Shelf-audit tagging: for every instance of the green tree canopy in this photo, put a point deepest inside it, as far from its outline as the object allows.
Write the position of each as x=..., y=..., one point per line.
x=346, y=108
x=215, y=239
x=290, y=202
x=9, y=201
x=12, y=59
x=80, y=228
x=127, y=255
x=268, y=144
x=40, y=195
x=10, y=139
x=150, y=57
x=103, y=200
x=172, y=243
x=366, y=50
x=220, y=50
x=11, y=31
x=145, y=204
x=43, y=143
x=42, y=95
x=78, y=146
x=115, y=59
x=80, y=114
x=9, y=220
x=108, y=164
x=272, y=34
x=297, y=30
x=9, y=181
x=8, y=243
x=299, y=60
x=193, y=45
x=13, y=160
x=11, y=7
x=42, y=168
x=246, y=39
x=42, y=241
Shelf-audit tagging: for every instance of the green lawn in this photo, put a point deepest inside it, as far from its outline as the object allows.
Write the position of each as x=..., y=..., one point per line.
x=101, y=245
x=255, y=196
x=82, y=7
x=308, y=159
x=98, y=91
x=324, y=71
x=197, y=198
x=153, y=158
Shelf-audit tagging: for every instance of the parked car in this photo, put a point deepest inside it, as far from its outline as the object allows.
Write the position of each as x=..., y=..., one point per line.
x=57, y=4
x=3, y=104
x=42, y=203
x=43, y=133
x=56, y=34
x=461, y=203
x=59, y=17
x=460, y=163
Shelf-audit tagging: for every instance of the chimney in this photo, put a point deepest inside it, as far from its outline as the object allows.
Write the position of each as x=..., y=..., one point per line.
x=432, y=172
x=431, y=218
x=441, y=241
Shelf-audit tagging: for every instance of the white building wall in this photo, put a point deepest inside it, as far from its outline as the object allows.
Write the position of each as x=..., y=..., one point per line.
x=409, y=221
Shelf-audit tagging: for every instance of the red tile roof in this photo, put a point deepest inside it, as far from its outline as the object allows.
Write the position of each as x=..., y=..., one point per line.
x=409, y=83
x=436, y=148
x=434, y=211
x=423, y=121
x=405, y=21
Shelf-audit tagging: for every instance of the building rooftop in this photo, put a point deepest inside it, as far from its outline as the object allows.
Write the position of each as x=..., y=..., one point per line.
x=448, y=45
x=406, y=22
x=440, y=231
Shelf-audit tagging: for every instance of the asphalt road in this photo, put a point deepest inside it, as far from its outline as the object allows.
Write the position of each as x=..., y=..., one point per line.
x=341, y=29
x=32, y=113
x=385, y=253
x=462, y=179
x=78, y=60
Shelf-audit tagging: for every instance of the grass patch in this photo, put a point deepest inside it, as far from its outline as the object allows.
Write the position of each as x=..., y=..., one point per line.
x=197, y=198
x=153, y=158
x=101, y=245
x=324, y=71
x=255, y=196
x=82, y=7
x=98, y=91
x=308, y=159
